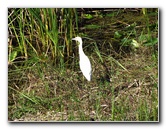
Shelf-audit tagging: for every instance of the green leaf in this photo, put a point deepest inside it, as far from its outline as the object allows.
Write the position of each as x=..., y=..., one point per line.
x=135, y=44
x=88, y=16
x=117, y=35
x=12, y=56
x=92, y=26
x=152, y=42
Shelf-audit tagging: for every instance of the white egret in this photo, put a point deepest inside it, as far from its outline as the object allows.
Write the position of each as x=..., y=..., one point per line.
x=84, y=62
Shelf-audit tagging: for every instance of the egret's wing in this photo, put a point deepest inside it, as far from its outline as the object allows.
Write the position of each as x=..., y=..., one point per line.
x=85, y=67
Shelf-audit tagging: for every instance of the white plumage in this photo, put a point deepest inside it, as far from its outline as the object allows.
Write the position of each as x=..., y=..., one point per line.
x=84, y=62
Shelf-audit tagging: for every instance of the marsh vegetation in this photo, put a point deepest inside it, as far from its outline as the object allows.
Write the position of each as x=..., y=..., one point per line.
x=44, y=79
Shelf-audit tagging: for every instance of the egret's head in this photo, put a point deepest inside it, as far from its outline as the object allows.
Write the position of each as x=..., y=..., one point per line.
x=78, y=39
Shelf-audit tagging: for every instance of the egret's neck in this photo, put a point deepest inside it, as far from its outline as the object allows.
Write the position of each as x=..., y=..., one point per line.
x=80, y=49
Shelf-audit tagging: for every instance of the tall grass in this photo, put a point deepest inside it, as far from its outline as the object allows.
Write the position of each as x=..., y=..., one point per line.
x=43, y=32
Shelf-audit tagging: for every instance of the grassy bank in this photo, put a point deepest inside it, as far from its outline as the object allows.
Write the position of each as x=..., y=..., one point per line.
x=44, y=79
